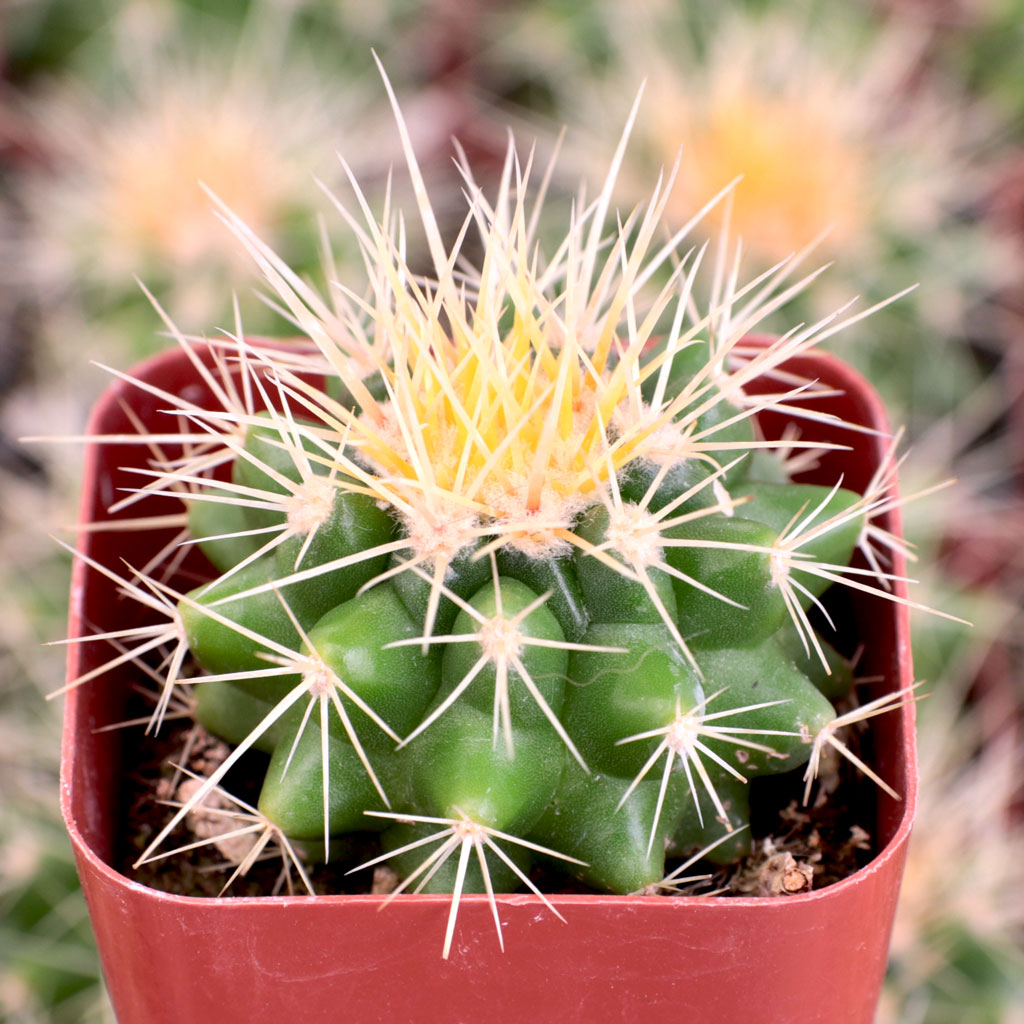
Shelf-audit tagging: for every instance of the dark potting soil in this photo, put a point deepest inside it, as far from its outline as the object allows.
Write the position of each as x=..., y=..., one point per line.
x=794, y=848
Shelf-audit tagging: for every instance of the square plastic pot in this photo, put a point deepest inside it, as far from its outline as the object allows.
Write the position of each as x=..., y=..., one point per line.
x=170, y=959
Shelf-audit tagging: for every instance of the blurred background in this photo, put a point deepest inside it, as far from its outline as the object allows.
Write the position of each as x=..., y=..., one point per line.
x=898, y=125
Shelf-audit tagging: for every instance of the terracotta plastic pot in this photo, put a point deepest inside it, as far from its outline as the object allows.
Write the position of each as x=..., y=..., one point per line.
x=813, y=957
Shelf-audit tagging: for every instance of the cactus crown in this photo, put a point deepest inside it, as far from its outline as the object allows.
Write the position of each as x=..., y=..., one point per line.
x=523, y=578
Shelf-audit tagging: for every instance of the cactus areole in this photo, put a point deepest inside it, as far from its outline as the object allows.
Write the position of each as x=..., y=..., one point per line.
x=518, y=568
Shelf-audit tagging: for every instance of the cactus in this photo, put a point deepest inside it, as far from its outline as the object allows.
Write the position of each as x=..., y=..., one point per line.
x=505, y=569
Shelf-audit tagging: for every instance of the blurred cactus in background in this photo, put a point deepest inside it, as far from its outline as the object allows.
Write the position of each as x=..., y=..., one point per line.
x=130, y=141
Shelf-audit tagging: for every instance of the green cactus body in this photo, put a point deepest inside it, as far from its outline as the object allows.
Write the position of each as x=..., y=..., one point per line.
x=819, y=514
x=222, y=529
x=293, y=792
x=616, y=696
x=358, y=641
x=353, y=525
x=794, y=711
x=265, y=459
x=731, y=558
x=458, y=770
x=834, y=679
x=232, y=712
x=480, y=661
x=222, y=640
x=591, y=818
x=611, y=596
x=700, y=823
x=550, y=698
x=669, y=484
x=462, y=576
x=556, y=577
